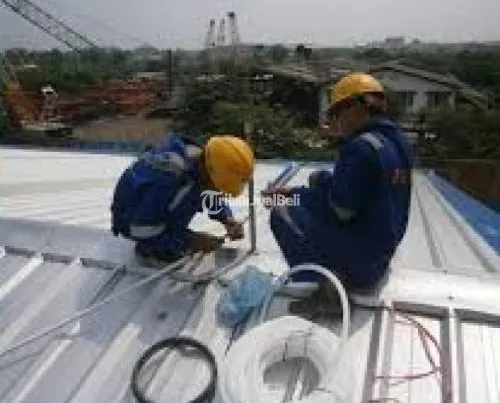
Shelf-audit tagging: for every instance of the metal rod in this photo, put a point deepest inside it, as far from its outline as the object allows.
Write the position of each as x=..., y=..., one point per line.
x=187, y=260
x=251, y=215
x=248, y=129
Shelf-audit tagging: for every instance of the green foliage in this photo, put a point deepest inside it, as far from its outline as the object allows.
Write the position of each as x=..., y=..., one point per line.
x=303, y=52
x=467, y=134
x=69, y=72
x=278, y=53
x=223, y=106
x=374, y=56
x=3, y=121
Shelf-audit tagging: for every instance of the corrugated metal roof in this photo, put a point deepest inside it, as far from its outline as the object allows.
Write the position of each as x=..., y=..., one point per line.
x=58, y=258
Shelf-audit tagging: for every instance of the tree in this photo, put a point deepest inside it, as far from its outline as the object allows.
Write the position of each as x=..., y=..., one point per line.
x=468, y=134
x=222, y=106
x=278, y=53
x=375, y=55
x=299, y=50
x=3, y=120
x=303, y=52
x=258, y=53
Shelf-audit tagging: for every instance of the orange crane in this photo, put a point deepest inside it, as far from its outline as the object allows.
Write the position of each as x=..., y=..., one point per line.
x=29, y=112
x=129, y=97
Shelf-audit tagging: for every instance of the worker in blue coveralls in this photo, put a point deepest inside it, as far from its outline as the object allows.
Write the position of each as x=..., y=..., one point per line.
x=158, y=194
x=352, y=220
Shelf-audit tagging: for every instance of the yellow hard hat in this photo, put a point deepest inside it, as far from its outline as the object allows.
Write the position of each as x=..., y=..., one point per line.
x=354, y=84
x=229, y=162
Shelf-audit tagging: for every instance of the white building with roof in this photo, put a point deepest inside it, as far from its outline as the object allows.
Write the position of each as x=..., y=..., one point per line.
x=421, y=90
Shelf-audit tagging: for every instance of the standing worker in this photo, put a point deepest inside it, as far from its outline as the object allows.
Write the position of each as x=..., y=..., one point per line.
x=352, y=220
x=158, y=195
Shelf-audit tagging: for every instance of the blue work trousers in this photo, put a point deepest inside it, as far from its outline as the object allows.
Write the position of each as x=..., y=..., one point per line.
x=305, y=237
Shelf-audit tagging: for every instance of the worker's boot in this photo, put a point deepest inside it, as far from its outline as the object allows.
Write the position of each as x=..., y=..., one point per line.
x=150, y=256
x=323, y=303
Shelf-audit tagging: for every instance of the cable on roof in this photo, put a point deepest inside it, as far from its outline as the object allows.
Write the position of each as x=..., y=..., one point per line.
x=277, y=340
x=425, y=336
x=98, y=305
x=170, y=271
x=208, y=393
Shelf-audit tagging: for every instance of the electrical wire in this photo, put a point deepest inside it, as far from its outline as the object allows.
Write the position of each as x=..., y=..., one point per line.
x=166, y=271
x=425, y=336
x=242, y=376
x=208, y=393
x=98, y=305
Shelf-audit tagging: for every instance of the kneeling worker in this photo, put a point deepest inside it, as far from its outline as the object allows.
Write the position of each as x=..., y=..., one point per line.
x=158, y=195
x=352, y=220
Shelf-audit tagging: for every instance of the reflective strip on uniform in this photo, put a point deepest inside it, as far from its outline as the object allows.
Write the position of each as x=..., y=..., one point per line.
x=180, y=195
x=284, y=213
x=373, y=140
x=193, y=151
x=146, y=231
x=167, y=162
x=149, y=231
x=346, y=214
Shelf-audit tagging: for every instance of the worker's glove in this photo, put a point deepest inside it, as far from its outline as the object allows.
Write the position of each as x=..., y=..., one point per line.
x=234, y=229
x=204, y=242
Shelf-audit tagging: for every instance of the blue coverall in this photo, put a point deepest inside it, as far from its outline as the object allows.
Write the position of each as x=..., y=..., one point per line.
x=352, y=220
x=158, y=195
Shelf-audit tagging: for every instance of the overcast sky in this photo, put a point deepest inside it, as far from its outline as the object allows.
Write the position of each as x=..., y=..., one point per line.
x=170, y=23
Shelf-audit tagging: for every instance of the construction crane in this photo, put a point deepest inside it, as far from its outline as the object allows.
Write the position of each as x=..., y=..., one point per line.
x=28, y=112
x=129, y=97
x=23, y=108
x=18, y=107
x=223, y=43
x=49, y=24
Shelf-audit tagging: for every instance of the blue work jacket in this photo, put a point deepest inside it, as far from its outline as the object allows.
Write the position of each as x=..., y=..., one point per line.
x=157, y=196
x=365, y=201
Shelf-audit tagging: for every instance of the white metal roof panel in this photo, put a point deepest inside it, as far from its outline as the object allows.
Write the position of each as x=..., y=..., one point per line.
x=444, y=275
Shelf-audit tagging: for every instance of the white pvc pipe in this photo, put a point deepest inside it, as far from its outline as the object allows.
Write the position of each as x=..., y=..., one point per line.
x=242, y=375
x=280, y=282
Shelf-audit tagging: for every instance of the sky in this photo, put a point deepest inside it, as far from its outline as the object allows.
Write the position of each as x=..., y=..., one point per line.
x=184, y=24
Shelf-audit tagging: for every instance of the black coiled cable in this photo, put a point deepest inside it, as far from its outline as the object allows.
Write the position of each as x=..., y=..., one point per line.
x=206, y=396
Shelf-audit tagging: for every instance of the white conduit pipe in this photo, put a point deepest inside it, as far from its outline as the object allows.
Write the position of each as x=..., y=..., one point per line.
x=242, y=375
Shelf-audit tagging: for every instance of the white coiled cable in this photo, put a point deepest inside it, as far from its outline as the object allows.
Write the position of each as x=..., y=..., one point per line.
x=242, y=375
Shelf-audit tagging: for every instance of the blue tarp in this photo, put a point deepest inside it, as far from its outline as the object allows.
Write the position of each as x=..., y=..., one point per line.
x=484, y=220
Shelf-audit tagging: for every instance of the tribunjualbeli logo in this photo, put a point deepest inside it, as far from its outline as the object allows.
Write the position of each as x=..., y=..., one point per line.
x=279, y=200
x=213, y=201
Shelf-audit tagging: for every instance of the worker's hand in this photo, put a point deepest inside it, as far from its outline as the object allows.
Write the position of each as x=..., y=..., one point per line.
x=204, y=242
x=234, y=229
